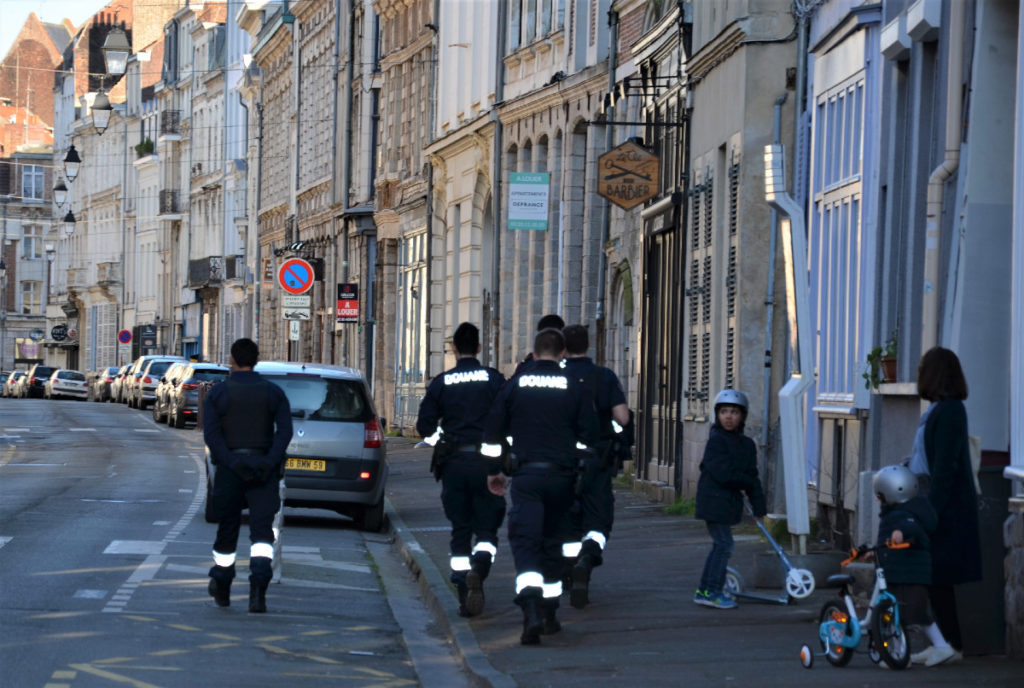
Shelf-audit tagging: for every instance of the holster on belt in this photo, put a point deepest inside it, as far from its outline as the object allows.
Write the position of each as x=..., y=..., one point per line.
x=443, y=450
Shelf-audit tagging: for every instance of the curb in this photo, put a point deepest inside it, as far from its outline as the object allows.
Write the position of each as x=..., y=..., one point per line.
x=441, y=602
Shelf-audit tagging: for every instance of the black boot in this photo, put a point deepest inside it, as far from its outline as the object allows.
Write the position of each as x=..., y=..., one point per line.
x=551, y=624
x=579, y=593
x=480, y=567
x=530, y=600
x=458, y=579
x=220, y=584
x=590, y=556
x=259, y=579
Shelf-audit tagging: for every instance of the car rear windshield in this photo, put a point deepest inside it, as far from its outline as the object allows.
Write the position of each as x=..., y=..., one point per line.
x=70, y=375
x=43, y=371
x=159, y=367
x=210, y=375
x=317, y=398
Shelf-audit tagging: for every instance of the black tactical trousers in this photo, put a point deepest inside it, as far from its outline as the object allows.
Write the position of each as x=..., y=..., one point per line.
x=468, y=504
x=595, y=508
x=540, y=499
x=230, y=495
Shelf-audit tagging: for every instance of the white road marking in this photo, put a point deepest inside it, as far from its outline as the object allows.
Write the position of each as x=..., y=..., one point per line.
x=82, y=429
x=161, y=523
x=91, y=594
x=146, y=430
x=146, y=571
x=17, y=430
x=4, y=539
x=148, y=547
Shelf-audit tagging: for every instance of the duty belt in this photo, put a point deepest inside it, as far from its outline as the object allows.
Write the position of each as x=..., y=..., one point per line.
x=475, y=448
x=255, y=451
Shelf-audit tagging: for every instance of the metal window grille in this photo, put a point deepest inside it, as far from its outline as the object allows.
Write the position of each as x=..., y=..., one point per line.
x=730, y=358
x=705, y=377
x=691, y=372
x=730, y=283
x=705, y=285
x=709, y=194
x=695, y=217
x=734, y=193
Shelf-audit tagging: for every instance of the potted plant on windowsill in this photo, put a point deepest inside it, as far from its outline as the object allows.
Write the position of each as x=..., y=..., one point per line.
x=882, y=363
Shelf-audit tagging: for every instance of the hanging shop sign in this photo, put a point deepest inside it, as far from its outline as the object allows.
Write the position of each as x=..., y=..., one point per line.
x=628, y=175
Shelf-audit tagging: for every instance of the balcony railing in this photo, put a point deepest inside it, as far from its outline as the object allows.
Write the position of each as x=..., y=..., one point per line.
x=169, y=202
x=205, y=272
x=170, y=122
x=77, y=278
x=108, y=274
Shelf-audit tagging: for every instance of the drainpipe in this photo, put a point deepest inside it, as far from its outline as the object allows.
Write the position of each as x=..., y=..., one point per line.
x=259, y=201
x=426, y=291
x=769, y=298
x=937, y=180
x=606, y=211
x=334, y=171
x=496, y=185
x=347, y=170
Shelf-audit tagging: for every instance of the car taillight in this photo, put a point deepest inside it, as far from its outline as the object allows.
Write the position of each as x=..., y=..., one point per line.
x=109, y=380
x=147, y=380
x=189, y=385
x=32, y=380
x=371, y=434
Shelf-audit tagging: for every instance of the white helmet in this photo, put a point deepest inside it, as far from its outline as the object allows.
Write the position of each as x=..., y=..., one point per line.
x=896, y=484
x=733, y=397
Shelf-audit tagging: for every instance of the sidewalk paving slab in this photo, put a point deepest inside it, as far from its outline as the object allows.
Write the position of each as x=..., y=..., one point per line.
x=641, y=627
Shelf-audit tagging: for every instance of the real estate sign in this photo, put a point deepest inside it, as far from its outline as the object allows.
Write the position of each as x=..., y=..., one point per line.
x=528, y=200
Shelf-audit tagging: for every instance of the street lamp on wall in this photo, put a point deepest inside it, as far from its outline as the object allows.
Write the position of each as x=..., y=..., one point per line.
x=101, y=110
x=71, y=163
x=69, y=223
x=60, y=192
x=116, y=51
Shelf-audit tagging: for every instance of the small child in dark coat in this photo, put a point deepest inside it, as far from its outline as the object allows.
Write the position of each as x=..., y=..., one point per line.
x=908, y=518
x=727, y=472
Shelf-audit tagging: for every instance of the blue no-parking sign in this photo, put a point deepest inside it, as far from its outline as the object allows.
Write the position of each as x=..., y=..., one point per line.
x=295, y=276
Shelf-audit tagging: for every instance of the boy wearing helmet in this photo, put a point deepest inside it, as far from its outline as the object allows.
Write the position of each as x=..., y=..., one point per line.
x=727, y=472
x=908, y=518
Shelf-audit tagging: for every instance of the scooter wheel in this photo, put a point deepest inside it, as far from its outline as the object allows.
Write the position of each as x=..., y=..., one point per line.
x=733, y=583
x=806, y=657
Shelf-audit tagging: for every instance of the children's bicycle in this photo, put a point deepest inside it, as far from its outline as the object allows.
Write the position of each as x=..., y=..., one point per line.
x=840, y=631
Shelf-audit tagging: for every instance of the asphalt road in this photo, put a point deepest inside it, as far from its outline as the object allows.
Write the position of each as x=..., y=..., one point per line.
x=103, y=572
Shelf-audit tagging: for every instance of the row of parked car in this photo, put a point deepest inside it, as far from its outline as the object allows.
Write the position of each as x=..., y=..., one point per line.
x=337, y=457
x=44, y=381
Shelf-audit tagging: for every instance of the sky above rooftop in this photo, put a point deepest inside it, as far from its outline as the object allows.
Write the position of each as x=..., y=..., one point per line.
x=13, y=14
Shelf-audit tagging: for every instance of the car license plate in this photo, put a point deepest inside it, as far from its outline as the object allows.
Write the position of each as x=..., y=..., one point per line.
x=306, y=464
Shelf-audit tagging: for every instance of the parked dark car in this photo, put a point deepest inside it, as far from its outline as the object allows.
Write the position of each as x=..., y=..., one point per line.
x=162, y=394
x=35, y=382
x=101, y=380
x=117, y=386
x=183, y=400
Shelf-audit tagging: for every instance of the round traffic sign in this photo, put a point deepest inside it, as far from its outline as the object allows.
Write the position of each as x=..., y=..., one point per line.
x=295, y=276
x=37, y=335
x=124, y=336
x=59, y=333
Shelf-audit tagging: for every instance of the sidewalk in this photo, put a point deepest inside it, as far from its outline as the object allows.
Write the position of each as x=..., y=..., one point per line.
x=641, y=627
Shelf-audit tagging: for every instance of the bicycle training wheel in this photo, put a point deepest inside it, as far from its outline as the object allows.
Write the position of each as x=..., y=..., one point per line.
x=833, y=631
x=890, y=638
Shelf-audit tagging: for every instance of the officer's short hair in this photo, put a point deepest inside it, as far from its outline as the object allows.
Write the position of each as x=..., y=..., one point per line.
x=548, y=342
x=577, y=340
x=245, y=352
x=550, y=321
x=466, y=338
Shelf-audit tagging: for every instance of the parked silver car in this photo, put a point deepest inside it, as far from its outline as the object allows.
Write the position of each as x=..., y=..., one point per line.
x=10, y=383
x=182, y=402
x=140, y=383
x=337, y=458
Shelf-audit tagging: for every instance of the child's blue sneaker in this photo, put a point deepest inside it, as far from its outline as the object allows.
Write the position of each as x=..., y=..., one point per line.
x=701, y=597
x=720, y=601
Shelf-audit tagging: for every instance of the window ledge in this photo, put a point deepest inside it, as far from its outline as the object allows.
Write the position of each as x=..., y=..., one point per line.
x=897, y=389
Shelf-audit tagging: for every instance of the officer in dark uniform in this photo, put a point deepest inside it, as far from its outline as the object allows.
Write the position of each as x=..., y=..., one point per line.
x=547, y=415
x=590, y=520
x=247, y=425
x=550, y=320
x=459, y=400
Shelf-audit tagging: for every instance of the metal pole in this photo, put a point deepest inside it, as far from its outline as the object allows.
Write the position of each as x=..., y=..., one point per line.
x=3, y=288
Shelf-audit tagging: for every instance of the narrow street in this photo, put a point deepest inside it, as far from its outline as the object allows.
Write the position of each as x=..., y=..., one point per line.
x=103, y=572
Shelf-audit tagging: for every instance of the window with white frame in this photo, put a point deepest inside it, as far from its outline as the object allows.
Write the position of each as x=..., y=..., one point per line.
x=31, y=298
x=31, y=243
x=533, y=19
x=32, y=182
x=413, y=353
x=835, y=236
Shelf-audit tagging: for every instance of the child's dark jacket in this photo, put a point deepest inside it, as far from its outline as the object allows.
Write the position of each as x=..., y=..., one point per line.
x=727, y=471
x=916, y=518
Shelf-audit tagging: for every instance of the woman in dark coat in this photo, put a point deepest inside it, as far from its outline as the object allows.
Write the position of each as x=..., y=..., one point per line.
x=956, y=542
